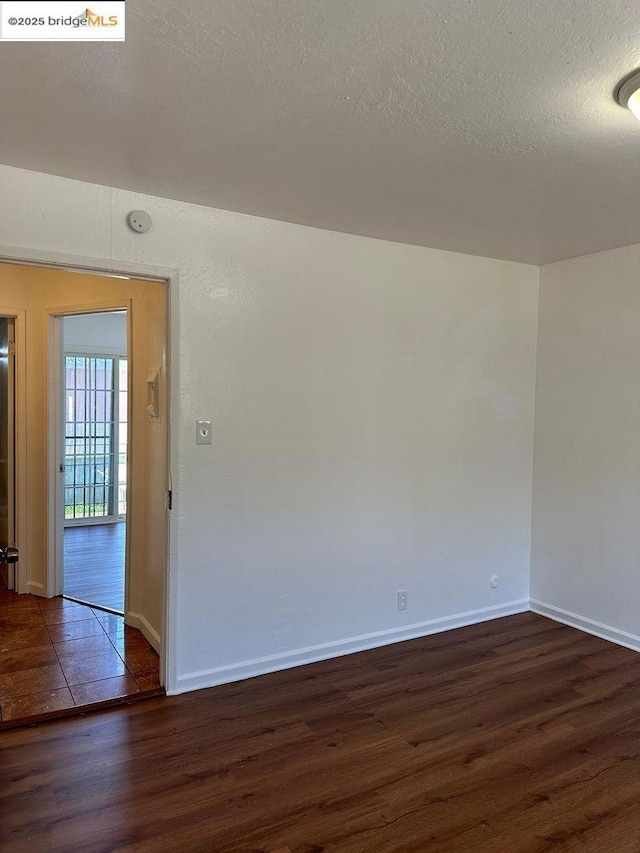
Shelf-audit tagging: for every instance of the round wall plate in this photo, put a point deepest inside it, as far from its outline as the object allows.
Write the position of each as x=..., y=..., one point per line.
x=139, y=221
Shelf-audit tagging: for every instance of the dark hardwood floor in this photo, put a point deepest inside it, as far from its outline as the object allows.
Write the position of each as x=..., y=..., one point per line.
x=515, y=736
x=94, y=558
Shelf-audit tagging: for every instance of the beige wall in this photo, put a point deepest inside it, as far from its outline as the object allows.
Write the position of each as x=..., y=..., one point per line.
x=42, y=293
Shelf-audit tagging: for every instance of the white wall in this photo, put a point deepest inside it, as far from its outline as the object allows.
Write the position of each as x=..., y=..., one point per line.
x=586, y=508
x=372, y=409
x=104, y=333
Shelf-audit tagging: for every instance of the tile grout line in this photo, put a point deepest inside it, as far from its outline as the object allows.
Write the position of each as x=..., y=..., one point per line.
x=55, y=651
x=135, y=680
x=60, y=664
x=124, y=662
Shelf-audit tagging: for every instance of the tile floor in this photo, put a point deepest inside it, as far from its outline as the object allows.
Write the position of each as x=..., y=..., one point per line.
x=57, y=655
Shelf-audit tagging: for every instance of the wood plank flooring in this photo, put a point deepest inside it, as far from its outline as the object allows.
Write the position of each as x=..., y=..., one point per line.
x=515, y=736
x=94, y=558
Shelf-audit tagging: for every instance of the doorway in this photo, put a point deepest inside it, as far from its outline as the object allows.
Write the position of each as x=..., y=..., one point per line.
x=94, y=454
x=39, y=297
x=88, y=656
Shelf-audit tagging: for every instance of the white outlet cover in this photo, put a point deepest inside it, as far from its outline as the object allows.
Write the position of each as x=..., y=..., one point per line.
x=203, y=432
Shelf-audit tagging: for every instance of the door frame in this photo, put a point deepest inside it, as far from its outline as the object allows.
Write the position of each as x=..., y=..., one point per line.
x=55, y=438
x=112, y=268
x=19, y=315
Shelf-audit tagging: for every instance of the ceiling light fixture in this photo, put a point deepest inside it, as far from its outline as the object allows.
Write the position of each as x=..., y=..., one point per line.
x=628, y=93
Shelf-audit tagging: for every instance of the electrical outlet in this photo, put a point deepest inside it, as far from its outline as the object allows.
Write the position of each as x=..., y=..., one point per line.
x=402, y=599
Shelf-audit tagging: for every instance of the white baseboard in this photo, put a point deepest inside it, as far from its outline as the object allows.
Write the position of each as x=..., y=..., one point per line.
x=325, y=651
x=583, y=623
x=36, y=588
x=137, y=620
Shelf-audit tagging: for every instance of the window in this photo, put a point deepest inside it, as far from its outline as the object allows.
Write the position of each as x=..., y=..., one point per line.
x=96, y=390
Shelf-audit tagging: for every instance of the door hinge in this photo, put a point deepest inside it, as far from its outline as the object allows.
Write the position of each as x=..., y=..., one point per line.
x=12, y=347
x=169, y=499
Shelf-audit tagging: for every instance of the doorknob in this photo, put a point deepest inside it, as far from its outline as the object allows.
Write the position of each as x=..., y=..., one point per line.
x=9, y=555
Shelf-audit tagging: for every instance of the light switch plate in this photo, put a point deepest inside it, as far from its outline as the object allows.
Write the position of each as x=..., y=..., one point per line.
x=203, y=432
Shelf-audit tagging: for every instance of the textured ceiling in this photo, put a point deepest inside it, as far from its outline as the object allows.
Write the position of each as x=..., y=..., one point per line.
x=482, y=126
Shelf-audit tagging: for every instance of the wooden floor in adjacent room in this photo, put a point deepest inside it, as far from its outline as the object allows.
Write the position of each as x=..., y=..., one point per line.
x=94, y=560
x=515, y=736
